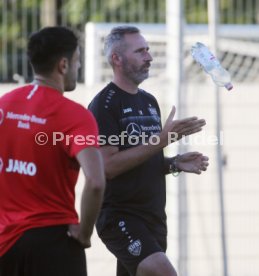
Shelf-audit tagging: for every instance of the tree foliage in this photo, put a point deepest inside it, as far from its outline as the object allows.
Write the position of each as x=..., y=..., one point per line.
x=18, y=18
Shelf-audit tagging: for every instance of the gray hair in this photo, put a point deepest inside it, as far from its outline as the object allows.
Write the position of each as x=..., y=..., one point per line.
x=114, y=41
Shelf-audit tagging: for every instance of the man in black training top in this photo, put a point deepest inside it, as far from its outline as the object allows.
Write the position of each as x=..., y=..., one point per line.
x=132, y=223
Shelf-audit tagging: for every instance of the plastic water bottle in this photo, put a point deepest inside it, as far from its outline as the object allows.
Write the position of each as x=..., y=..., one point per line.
x=211, y=65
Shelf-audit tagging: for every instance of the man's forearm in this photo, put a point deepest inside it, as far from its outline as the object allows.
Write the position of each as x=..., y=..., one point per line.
x=90, y=206
x=122, y=161
x=91, y=162
x=118, y=162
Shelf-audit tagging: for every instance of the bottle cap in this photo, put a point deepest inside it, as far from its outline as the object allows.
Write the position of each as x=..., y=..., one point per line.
x=228, y=86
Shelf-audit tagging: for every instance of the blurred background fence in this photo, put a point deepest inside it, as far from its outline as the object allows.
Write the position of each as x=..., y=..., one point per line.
x=18, y=18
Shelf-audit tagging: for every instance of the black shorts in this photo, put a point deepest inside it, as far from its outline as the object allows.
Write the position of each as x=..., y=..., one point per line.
x=44, y=251
x=130, y=239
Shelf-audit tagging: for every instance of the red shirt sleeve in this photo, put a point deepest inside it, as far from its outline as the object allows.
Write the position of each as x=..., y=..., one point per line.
x=81, y=132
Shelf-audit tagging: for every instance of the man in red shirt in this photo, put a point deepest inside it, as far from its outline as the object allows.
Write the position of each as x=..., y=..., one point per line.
x=44, y=141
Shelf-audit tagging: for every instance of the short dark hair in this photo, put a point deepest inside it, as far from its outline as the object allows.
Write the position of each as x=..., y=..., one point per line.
x=113, y=40
x=48, y=45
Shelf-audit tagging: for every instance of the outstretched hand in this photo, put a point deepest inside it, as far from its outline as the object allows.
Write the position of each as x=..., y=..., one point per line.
x=192, y=162
x=180, y=127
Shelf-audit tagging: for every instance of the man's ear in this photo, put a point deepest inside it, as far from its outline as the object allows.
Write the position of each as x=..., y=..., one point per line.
x=116, y=59
x=63, y=65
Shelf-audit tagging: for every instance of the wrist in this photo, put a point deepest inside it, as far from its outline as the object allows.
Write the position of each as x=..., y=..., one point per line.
x=173, y=165
x=163, y=138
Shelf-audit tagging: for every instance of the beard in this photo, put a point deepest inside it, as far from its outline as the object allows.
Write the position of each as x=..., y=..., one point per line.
x=135, y=73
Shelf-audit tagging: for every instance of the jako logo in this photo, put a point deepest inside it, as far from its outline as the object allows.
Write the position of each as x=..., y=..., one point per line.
x=21, y=167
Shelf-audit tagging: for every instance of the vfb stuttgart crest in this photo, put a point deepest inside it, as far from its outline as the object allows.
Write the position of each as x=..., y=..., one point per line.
x=135, y=248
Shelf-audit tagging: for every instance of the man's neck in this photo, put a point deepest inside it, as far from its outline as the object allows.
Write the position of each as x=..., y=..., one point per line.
x=48, y=81
x=125, y=85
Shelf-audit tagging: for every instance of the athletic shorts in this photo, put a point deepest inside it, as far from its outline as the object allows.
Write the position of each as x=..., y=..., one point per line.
x=44, y=251
x=131, y=240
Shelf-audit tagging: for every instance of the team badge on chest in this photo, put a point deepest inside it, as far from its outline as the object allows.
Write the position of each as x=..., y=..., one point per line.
x=152, y=111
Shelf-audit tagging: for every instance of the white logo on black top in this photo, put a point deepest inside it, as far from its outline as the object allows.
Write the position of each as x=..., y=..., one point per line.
x=121, y=223
x=111, y=92
x=108, y=98
x=133, y=129
x=127, y=110
x=135, y=248
x=1, y=164
x=1, y=115
x=152, y=110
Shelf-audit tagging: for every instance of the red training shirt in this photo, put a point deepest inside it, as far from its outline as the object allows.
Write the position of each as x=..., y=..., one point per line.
x=37, y=181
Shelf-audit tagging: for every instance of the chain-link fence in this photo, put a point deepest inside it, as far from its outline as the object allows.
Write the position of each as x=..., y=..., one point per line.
x=18, y=18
